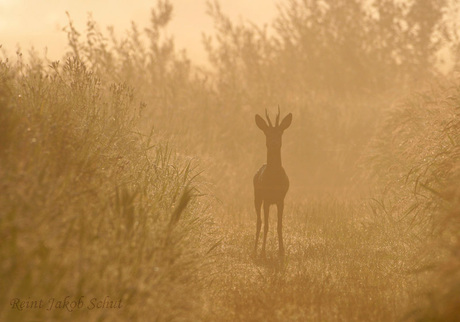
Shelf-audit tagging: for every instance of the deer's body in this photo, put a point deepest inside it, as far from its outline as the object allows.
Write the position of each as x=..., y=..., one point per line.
x=271, y=182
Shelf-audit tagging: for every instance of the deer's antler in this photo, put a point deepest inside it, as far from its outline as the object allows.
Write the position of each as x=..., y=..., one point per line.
x=278, y=117
x=268, y=119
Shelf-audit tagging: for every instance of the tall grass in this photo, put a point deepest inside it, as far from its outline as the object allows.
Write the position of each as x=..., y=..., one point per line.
x=90, y=206
x=416, y=157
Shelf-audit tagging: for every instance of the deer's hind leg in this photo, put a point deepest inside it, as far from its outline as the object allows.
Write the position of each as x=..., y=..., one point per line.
x=266, y=211
x=280, y=206
x=258, y=205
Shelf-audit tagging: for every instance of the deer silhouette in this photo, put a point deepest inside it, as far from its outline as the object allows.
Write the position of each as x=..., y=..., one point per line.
x=271, y=182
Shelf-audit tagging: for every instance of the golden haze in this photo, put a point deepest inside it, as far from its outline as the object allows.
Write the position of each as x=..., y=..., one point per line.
x=127, y=166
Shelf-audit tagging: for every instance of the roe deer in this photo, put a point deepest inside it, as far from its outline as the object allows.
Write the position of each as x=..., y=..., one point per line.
x=271, y=182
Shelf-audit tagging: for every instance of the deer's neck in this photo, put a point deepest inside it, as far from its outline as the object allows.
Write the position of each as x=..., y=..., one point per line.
x=274, y=158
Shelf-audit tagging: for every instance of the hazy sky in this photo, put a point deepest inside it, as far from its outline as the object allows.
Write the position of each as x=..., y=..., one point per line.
x=40, y=23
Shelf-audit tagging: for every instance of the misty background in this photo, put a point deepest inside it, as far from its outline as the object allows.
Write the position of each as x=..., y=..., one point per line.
x=126, y=163
x=39, y=24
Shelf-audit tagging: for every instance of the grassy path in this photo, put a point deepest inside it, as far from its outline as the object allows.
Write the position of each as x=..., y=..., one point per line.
x=335, y=269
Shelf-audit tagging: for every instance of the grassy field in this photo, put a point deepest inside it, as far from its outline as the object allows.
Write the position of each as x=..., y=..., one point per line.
x=336, y=268
x=126, y=177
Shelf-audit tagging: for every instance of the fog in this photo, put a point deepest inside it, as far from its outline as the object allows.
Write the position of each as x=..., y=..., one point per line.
x=299, y=161
x=40, y=23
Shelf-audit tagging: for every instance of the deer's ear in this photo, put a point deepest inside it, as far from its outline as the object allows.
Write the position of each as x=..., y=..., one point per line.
x=261, y=124
x=286, y=122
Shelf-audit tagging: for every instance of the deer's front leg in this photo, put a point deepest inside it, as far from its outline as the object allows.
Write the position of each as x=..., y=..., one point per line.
x=258, y=205
x=280, y=206
x=266, y=210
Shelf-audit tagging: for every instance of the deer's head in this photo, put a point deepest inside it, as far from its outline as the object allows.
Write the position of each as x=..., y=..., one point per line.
x=274, y=133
